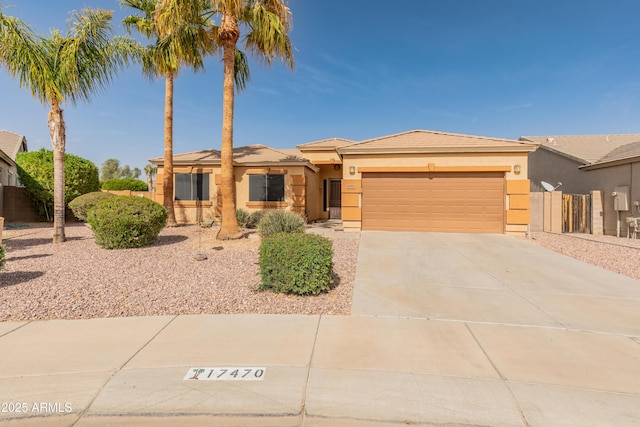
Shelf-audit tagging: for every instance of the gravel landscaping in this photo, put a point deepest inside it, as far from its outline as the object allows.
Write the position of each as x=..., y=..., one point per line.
x=78, y=279
x=617, y=254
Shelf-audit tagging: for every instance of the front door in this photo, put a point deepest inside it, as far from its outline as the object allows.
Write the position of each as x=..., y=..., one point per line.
x=335, y=199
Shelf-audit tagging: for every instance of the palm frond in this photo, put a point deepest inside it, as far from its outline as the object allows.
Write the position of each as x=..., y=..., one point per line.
x=21, y=54
x=89, y=56
x=241, y=70
x=269, y=26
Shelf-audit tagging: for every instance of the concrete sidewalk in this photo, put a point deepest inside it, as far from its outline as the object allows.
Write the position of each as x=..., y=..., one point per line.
x=320, y=371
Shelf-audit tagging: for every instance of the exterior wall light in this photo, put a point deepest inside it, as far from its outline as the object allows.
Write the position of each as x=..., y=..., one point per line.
x=352, y=170
x=517, y=169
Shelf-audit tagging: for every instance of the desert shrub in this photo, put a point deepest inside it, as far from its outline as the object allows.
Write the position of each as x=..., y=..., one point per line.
x=126, y=221
x=35, y=169
x=81, y=205
x=3, y=251
x=280, y=221
x=254, y=218
x=296, y=263
x=243, y=217
x=125, y=184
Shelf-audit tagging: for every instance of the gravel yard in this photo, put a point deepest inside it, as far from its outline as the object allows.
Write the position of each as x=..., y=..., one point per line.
x=617, y=254
x=78, y=279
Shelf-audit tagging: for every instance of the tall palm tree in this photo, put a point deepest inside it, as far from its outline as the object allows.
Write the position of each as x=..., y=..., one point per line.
x=267, y=24
x=64, y=68
x=184, y=42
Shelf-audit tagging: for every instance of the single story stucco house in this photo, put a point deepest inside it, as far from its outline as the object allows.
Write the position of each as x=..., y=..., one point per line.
x=417, y=180
x=584, y=163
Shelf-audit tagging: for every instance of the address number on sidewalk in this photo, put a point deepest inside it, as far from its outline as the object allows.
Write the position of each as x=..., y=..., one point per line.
x=226, y=374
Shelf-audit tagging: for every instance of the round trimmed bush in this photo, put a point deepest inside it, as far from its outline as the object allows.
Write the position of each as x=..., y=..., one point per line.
x=81, y=204
x=125, y=184
x=280, y=221
x=296, y=263
x=126, y=221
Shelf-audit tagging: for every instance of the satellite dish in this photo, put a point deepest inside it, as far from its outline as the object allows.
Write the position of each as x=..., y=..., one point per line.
x=549, y=187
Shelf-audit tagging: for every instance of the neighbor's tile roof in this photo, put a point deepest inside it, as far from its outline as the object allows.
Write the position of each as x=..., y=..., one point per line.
x=251, y=154
x=326, y=144
x=11, y=143
x=433, y=141
x=585, y=148
x=624, y=152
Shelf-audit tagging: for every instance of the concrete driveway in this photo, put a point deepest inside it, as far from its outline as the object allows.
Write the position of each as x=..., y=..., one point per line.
x=487, y=278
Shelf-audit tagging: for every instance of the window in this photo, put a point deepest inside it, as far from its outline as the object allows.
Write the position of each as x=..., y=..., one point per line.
x=266, y=188
x=191, y=186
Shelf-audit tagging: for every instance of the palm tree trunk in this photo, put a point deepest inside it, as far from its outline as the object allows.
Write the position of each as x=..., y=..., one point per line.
x=229, y=228
x=57, y=135
x=167, y=181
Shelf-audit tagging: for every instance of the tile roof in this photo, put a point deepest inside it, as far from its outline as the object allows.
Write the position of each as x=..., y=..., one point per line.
x=251, y=154
x=11, y=143
x=432, y=141
x=624, y=152
x=584, y=148
x=326, y=144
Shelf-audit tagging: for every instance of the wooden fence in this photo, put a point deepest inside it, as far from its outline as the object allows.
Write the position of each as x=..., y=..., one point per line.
x=576, y=213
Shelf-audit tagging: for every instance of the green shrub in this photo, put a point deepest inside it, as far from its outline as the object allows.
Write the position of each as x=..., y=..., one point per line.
x=297, y=263
x=243, y=217
x=126, y=221
x=125, y=184
x=254, y=218
x=280, y=221
x=35, y=169
x=81, y=205
x=3, y=251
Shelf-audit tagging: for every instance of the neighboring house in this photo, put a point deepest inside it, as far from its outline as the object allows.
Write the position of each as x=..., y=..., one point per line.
x=417, y=180
x=10, y=145
x=584, y=163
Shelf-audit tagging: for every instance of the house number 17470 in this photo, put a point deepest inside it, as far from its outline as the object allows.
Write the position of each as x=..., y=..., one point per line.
x=226, y=374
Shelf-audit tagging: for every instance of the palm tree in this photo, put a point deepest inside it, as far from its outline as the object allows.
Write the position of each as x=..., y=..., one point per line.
x=267, y=23
x=64, y=68
x=184, y=43
x=150, y=171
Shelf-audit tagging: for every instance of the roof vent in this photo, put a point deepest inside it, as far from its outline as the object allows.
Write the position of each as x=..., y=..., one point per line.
x=551, y=141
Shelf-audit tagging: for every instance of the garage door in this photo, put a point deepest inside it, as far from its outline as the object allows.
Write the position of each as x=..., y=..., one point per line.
x=450, y=202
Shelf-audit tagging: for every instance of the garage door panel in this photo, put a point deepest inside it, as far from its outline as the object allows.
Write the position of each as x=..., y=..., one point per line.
x=453, y=202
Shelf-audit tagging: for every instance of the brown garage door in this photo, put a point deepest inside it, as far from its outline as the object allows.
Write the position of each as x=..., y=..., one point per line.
x=452, y=202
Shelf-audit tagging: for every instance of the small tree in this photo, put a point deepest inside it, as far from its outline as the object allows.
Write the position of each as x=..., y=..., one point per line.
x=110, y=169
x=36, y=172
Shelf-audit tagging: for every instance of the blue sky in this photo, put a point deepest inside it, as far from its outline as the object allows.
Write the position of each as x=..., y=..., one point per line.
x=502, y=68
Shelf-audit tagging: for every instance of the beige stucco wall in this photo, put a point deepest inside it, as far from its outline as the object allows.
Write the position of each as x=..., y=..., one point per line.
x=418, y=160
x=323, y=156
x=537, y=211
x=551, y=167
x=192, y=211
x=6, y=171
x=545, y=165
x=606, y=180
